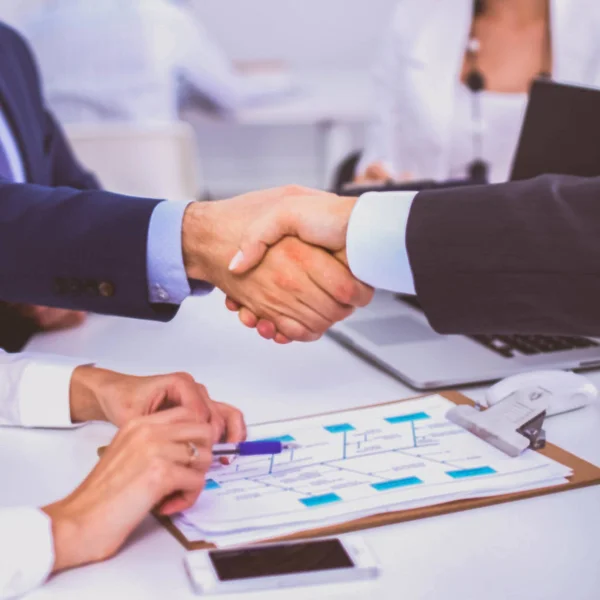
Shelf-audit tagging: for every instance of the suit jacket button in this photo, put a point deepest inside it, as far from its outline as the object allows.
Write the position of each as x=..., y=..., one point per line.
x=106, y=289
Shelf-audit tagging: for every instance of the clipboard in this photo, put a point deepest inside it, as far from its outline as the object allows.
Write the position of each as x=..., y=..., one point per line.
x=584, y=474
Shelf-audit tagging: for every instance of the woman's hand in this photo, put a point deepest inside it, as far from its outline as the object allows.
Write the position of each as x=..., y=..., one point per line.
x=377, y=173
x=158, y=461
x=101, y=395
x=374, y=173
x=48, y=318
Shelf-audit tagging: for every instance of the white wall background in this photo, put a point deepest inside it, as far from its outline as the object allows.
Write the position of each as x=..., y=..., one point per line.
x=324, y=33
x=306, y=34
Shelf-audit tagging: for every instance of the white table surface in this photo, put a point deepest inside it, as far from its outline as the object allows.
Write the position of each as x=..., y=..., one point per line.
x=547, y=547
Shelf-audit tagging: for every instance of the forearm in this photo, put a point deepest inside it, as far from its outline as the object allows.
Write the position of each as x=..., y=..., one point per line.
x=516, y=258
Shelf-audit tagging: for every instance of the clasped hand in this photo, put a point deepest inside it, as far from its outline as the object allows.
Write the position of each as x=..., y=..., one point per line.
x=291, y=283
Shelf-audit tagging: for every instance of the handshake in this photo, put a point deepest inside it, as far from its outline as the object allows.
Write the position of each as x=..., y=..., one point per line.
x=280, y=257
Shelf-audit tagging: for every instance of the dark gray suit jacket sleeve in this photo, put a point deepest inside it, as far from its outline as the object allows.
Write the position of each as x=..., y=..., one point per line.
x=521, y=257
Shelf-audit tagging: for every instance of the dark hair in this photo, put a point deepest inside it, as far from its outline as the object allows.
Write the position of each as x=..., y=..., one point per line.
x=478, y=7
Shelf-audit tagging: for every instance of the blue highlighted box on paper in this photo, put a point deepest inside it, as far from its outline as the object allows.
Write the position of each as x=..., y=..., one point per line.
x=282, y=438
x=419, y=416
x=462, y=473
x=320, y=500
x=396, y=483
x=211, y=484
x=339, y=428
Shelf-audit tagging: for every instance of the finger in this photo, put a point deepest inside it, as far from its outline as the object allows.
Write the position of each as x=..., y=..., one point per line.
x=295, y=331
x=264, y=233
x=236, y=427
x=232, y=305
x=199, y=434
x=235, y=423
x=247, y=317
x=181, y=453
x=182, y=389
x=330, y=275
x=266, y=329
x=281, y=339
x=182, y=488
x=217, y=422
x=178, y=414
x=56, y=318
x=377, y=172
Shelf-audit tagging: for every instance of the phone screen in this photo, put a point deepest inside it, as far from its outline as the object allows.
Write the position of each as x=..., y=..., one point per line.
x=284, y=559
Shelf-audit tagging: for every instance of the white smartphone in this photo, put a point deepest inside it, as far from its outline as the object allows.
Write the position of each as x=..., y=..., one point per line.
x=280, y=565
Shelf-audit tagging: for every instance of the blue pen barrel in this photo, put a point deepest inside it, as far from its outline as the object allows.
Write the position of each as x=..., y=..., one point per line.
x=254, y=448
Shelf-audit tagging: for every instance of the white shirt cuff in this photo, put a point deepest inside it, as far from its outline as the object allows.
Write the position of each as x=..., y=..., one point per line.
x=376, y=241
x=26, y=550
x=43, y=392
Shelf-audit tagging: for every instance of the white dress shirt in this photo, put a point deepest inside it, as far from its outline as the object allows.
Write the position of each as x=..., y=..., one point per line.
x=7, y=141
x=34, y=392
x=376, y=241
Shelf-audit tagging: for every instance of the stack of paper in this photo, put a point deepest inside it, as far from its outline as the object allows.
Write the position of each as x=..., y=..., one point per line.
x=354, y=464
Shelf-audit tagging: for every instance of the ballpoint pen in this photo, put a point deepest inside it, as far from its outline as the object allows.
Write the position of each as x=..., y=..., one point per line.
x=253, y=448
x=245, y=448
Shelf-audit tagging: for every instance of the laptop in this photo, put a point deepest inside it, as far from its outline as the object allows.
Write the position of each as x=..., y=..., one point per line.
x=560, y=134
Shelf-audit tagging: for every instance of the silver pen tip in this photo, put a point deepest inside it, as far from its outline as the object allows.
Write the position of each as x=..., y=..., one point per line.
x=291, y=446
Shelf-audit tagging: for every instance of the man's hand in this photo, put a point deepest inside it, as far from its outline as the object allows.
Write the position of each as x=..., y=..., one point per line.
x=301, y=289
x=159, y=461
x=98, y=394
x=319, y=220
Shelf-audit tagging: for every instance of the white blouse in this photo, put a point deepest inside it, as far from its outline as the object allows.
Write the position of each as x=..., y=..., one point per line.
x=34, y=392
x=501, y=119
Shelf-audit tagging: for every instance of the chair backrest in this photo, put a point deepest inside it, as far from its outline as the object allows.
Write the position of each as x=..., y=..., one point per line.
x=151, y=160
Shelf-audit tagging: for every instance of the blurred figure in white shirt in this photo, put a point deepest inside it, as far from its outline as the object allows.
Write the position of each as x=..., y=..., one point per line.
x=135, y=60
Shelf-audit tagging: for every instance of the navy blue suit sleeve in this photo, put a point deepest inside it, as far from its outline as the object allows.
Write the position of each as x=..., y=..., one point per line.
x=83, y=250
x=66, y=169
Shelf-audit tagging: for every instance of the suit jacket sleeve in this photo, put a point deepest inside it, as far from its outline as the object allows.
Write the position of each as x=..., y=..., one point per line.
x=64, y=242
x=78, y=249
x=521, y=257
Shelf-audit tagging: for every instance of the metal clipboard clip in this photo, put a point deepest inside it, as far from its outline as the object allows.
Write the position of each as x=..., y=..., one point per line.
x=512, y=425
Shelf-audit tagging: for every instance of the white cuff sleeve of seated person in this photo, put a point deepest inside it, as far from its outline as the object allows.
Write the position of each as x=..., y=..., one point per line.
x=26, y=550
x=42, y=391
x=376, y=241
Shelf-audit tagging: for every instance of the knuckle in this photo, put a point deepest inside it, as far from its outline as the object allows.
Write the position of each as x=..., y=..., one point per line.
x=142, y=433
x=346, y=291
x=182, y=377
x=204, y=460
x=293, y=330
x=294, y=190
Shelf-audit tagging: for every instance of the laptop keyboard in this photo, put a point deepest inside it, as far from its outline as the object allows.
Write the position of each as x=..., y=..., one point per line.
x=506, y=345
x=529, y=345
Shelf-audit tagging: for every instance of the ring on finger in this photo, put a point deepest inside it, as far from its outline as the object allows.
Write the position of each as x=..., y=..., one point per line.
x=193, y=453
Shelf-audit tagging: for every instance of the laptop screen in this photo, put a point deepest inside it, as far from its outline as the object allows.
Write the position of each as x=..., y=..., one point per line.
x=560, y=133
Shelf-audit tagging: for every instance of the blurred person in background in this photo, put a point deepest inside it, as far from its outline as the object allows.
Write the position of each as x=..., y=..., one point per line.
x=136, y=60
x=453, y=80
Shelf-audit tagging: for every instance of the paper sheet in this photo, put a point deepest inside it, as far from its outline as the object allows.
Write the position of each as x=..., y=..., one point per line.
x=353, y=464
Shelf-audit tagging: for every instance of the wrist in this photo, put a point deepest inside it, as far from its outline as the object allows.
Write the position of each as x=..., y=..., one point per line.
x=84, y=395
x=65, y=538
x=200, y=241
x=77, y=532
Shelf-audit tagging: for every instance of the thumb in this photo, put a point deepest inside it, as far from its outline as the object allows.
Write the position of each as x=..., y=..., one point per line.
x=262, y=234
